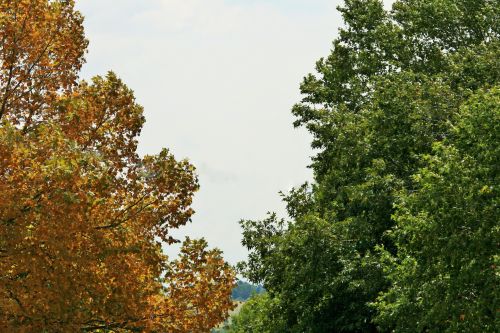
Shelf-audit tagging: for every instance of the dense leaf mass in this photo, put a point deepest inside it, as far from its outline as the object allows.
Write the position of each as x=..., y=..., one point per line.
x=399, y=229
x=82, y=215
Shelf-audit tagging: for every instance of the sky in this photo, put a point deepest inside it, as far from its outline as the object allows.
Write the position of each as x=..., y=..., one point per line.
x=217, y=79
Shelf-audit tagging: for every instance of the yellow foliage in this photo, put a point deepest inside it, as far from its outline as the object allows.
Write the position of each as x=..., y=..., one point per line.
x=81, y=214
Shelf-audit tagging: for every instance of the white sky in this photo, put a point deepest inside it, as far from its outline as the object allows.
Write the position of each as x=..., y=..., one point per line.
x=217, y=79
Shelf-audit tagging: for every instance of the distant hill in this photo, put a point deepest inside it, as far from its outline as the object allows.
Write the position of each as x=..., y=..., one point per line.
x=245, y=290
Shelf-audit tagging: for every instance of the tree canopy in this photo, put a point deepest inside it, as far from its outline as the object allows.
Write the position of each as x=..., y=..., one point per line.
x=399, y=229
x=82, y=215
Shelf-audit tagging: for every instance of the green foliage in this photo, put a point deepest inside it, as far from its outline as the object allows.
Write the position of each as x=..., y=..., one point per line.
x=401, y=92
x=445, y=276
x=259, y=314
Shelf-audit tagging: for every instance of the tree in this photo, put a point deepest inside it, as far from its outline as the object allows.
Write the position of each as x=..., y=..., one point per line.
x=391, y=89
x=82, y=216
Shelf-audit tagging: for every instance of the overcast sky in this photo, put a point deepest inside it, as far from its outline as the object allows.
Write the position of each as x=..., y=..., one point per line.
x=217, y=79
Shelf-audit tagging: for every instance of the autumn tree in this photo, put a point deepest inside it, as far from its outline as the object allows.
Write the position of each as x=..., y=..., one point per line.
x=82, y=215
x=377, y=241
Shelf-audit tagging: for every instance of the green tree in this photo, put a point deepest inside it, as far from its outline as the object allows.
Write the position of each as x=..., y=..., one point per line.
x=391, y=89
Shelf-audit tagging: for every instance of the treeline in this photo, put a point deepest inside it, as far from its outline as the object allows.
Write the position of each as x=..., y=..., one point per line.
x=399, y=231
x=244, y=290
